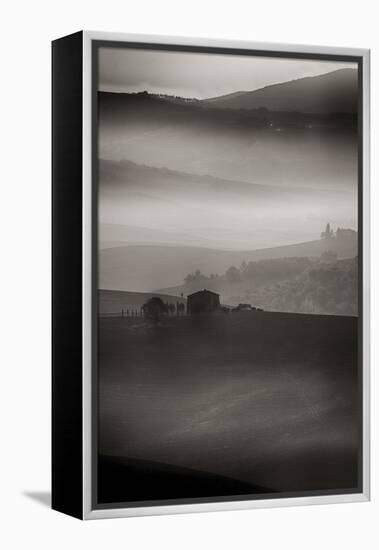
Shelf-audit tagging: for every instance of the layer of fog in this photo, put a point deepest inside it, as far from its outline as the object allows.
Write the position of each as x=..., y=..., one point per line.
x=214, y=213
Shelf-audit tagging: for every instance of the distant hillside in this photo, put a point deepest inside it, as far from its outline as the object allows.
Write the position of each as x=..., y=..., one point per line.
x=112, y=302
x=112, y=235
x=268, y=147
x=169, y=207
x=297, y=285
x=145, y=268
x=327, y=93
x=145, y=179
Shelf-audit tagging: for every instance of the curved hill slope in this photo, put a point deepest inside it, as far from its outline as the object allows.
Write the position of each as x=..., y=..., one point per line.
x=334, y=92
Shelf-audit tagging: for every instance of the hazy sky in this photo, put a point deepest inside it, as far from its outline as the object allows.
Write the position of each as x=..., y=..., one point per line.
x=196, y=74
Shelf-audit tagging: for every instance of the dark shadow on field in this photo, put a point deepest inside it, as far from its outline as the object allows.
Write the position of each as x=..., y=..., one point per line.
x=123, y=479
x=268, y=399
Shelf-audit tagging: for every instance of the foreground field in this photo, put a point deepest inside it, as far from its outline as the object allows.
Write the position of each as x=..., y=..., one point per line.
x=268, y=400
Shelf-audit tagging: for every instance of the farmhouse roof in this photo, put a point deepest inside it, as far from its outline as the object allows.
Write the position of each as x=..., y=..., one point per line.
x=205, y=291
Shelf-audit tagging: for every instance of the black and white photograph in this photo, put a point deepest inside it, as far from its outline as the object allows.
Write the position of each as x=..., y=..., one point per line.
x=228, y=276
x=189, y=265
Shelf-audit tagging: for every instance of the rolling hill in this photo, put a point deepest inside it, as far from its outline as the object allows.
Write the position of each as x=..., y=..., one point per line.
x=334, y=92
x=271, y=147
x=129, y=175
x=149, y=205
x=146, y=268
x=112, y=235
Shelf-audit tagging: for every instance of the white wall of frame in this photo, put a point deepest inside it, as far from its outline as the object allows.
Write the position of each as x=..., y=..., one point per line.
x=27, y=28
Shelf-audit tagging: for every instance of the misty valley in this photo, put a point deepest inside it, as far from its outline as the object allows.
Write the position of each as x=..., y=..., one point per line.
x=227, y=300
x=319, y=283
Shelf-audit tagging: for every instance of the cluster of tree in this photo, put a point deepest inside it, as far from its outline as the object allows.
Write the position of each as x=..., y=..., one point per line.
x=155, y=308
x=265, y=271
x=339, y=234
x=258, y=272
x=328, y=289
x=302, y=285
x=338, y=243
x=198, y=277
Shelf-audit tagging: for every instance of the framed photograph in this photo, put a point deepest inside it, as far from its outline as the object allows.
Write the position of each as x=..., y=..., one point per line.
x=210, y=275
